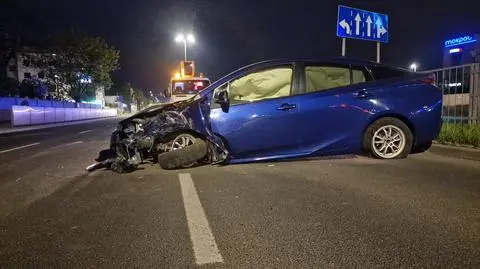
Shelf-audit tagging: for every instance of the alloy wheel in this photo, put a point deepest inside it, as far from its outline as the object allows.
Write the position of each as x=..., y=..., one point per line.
x=388, y=141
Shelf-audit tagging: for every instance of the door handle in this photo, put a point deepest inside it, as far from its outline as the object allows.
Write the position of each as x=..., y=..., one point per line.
x=362, y=94
x=285, y=107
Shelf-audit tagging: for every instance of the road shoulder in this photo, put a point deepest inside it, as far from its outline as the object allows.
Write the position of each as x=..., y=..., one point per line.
x=456, y=152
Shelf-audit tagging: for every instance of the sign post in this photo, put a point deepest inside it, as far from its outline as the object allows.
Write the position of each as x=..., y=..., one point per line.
x=378, y=52
x=362, y=24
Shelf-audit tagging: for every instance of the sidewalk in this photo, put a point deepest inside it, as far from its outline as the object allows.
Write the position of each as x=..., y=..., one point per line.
x=5, y=128
x=456, y=151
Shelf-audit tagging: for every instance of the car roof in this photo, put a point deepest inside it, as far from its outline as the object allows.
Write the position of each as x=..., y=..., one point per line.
x=333, y=60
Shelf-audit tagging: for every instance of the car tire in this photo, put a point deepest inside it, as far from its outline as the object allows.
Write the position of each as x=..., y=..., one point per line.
x=388, y=138
x=183, y=157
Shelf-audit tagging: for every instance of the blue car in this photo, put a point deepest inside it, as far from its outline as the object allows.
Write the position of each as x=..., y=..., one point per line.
x=283, y=109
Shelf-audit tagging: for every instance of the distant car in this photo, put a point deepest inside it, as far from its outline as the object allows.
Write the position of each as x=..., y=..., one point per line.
x=283, y=109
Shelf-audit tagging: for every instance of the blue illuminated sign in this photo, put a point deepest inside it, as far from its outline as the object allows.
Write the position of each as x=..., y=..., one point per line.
x=459, y=41
x=362, y=24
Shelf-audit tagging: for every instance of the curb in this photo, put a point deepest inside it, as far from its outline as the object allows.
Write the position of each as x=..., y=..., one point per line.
x=45, y=126
x=456, y=152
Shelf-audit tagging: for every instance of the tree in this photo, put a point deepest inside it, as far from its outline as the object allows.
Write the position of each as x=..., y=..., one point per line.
x=82, y=63
x=140, y=98
x=123, y=89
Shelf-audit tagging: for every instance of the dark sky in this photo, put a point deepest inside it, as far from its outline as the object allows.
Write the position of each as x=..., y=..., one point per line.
x=231, y=34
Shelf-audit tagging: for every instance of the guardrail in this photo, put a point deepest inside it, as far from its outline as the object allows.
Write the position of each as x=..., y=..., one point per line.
x=25, y=115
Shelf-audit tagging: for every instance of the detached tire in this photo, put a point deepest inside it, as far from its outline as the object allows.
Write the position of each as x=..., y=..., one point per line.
x=183, y=157
x=388, y=138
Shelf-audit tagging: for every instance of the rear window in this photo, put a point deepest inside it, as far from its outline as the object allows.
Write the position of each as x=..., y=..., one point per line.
x=382, y=72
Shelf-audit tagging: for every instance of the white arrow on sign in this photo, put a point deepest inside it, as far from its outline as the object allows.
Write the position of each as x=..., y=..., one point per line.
x=380, y=29
x=369, y=26
x=345, y=26
x=358, y=20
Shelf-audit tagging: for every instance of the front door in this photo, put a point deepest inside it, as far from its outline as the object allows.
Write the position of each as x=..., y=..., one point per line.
x=260, y=121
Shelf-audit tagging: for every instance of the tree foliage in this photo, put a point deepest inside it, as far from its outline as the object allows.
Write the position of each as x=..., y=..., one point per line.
x=123, y=89
x=81, y=63
x=140, y=98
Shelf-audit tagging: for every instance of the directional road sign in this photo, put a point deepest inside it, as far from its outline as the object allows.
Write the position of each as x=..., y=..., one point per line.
x=362, y=24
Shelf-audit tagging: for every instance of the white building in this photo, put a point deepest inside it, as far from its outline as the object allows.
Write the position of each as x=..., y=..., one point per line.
x=29, y=63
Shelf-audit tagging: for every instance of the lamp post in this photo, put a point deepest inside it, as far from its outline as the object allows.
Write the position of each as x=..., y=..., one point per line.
x=189, y=38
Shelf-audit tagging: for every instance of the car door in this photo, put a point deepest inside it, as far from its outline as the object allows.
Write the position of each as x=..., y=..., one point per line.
x=262, y=114
x=334, y=108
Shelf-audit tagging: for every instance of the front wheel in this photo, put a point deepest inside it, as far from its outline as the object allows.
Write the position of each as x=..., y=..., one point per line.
x=185, y=150
x=388, y=138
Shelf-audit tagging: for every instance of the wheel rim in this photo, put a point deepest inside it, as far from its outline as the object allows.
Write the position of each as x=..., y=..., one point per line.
x=181, y=141
x=388, y=141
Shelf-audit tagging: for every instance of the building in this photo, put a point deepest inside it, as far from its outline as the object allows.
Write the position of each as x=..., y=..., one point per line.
x=461, y=50
x=29, y=63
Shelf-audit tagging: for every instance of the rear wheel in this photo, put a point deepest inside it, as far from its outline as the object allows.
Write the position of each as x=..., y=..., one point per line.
x=184, y=151
x=388, y=138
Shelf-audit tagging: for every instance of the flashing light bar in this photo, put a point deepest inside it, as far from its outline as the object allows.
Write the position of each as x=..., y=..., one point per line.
x=455, y=50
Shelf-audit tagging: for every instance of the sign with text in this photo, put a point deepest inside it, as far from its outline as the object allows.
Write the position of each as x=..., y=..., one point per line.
x=362, y=24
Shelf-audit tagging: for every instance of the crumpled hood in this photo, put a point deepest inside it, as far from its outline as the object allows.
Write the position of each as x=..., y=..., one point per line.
x=155, y=109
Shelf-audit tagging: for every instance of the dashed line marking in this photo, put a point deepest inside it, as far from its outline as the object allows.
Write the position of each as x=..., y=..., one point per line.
x=203, y=242
x=74, y=143
x=84, y=132
x=21, y=147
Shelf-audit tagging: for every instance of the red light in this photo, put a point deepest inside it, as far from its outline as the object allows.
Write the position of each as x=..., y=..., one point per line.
x=430, y=79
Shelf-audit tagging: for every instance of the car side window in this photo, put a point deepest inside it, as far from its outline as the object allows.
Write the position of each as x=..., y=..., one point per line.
x=358, y=76
x=259, y=85
x=319, y=78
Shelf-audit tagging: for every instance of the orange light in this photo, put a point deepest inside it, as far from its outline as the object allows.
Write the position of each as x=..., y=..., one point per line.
x=177, y=75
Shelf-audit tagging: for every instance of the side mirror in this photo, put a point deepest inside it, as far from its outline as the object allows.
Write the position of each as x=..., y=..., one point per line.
x=222, y=100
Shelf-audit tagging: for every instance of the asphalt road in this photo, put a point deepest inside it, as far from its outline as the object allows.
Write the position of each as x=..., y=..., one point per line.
x=349, y=212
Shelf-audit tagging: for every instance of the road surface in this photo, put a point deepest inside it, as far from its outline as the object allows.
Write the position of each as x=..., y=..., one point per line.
x=345, y=212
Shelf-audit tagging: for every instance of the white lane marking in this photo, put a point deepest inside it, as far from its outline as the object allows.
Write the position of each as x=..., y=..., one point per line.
x=84, y=132
x=203, y=242
x=21, y=147
x=74, y=143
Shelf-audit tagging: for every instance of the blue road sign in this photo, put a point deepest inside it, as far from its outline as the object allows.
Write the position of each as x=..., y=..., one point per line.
x=362, y=24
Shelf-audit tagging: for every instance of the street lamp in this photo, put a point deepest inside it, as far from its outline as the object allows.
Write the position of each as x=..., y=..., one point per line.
x=413, y=67
x=184, y=39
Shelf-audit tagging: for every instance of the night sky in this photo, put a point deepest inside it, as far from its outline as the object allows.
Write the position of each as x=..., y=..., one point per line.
x=231, y=34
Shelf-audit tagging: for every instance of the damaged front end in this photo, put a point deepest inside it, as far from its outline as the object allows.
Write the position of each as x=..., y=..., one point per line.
x=154, y=133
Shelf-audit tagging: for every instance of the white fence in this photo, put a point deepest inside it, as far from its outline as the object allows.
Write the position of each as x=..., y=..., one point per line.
x=25, y=115
x=461, y=92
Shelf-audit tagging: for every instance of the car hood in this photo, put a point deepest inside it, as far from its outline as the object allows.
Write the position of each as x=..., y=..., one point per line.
x=156, y=108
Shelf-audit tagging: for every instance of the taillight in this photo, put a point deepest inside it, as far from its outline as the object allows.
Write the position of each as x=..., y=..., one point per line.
x=430, y=79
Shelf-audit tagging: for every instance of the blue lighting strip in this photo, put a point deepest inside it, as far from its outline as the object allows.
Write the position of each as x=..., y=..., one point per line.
x=456, y=44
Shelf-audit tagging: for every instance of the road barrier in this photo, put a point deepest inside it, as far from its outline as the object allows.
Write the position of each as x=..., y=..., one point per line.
x=26, y=115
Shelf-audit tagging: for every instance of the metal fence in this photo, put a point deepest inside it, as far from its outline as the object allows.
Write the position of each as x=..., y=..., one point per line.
x=461, y=92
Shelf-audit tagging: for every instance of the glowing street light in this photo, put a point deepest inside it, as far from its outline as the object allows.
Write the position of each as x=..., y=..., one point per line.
x=413, y=67
x=184, y=39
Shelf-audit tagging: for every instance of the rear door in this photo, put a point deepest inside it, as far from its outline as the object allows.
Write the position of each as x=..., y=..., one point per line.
x=262, y=116
x=334, y=107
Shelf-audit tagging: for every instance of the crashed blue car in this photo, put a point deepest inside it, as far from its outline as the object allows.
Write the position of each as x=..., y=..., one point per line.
x=282, y=109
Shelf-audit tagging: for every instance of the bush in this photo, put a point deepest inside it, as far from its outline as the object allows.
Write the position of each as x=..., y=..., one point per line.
x=465, y=134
